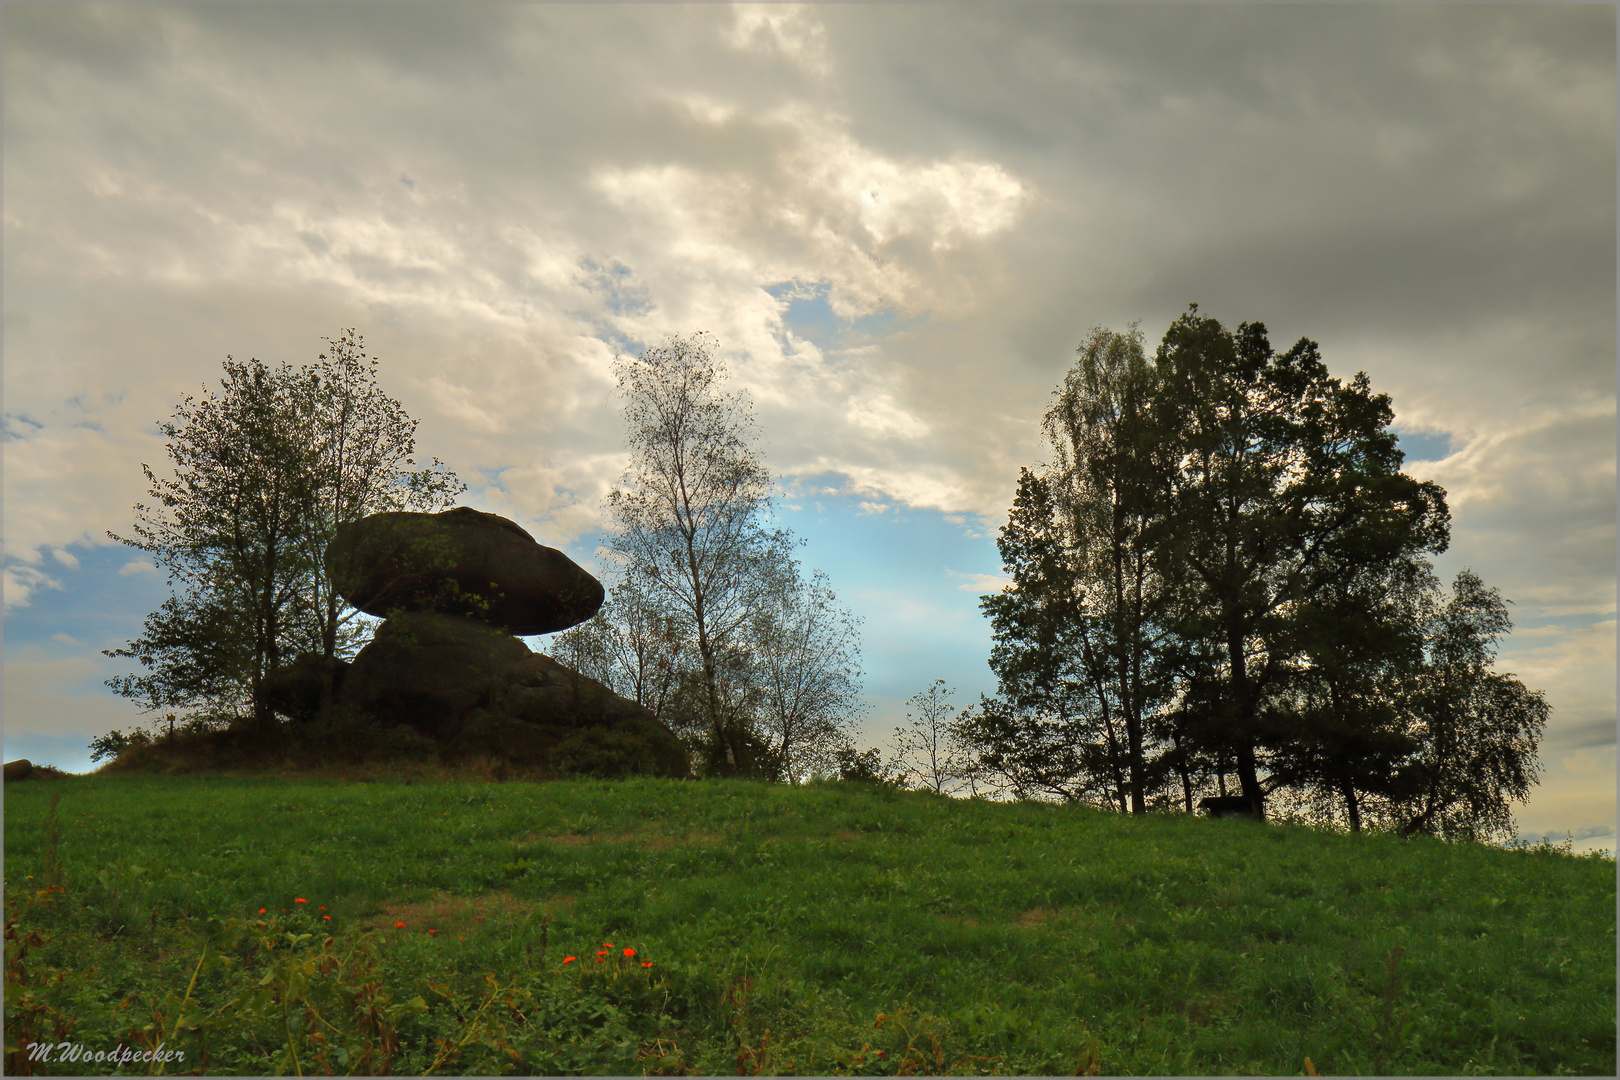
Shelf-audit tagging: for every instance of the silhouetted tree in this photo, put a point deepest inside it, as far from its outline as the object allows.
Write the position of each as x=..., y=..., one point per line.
x=265, y=469
x=1286, y=478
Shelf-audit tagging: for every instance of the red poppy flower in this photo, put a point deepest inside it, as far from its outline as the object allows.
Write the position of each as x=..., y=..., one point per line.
x=629, y=952
x=261, y=911
x=399, y=924
x=646, y=963
x=300, y=900
x=326, y=916
x=569, y=959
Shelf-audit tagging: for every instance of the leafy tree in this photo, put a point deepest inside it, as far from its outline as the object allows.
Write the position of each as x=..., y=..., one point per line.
x=1109, y=484
x=1363, y=641
x=228, y=528
x=1286, y=479
x=265, y=469
x=1045, y=732
x=804, y=659
x=364, y=442
x=1477, y=730
x=689, y=522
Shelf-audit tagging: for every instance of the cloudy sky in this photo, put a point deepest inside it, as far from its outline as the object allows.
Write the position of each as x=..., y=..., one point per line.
x=898, y=222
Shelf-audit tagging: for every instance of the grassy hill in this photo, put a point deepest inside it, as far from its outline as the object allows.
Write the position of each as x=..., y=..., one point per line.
x=280, y=924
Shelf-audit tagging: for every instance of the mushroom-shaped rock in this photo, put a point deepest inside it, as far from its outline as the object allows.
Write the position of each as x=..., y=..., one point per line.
x=460, y=562
x=428, y=670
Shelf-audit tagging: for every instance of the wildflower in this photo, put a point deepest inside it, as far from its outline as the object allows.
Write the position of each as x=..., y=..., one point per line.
x=569, y=959
x=261, y=911
x=326, y=916
x=646, y=963
x=601, y=952
x=607, y=944
x=399, y=924
x=629, y=952
x=300, y=900
x=432, y=931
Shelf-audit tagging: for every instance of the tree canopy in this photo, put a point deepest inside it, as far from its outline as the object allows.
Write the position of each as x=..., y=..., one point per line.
x=1223, y=570
x=264, y=471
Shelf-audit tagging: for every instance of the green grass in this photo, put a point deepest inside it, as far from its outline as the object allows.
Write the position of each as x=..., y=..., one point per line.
x=833, y=928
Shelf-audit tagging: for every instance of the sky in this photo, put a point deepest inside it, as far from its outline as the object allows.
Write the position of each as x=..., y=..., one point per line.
x=898, y=222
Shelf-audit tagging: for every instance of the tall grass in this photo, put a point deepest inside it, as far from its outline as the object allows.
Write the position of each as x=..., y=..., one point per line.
x=833, y=928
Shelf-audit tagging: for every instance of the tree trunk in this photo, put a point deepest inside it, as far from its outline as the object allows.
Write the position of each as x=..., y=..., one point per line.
x=1352, y=806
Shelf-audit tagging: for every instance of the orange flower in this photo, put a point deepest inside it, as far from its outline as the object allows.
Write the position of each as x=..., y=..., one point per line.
x=300, y=900
x=399, y=924
x=607, y=944
x=261, y=911
x=326, y=916
x=601, y=952
x=629, y=952
x=569, y=959
x=646, y=963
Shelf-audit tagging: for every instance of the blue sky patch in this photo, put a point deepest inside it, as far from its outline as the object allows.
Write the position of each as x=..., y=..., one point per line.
x=1424, y=446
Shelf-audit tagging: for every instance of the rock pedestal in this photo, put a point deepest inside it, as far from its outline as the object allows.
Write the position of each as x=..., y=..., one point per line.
x=453, y=590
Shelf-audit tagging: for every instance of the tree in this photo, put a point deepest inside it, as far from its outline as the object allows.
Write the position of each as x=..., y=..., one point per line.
x=264, y=471
x=1284, y=479
x=1109, y=483
x=364, y=442
x=228, y=528
x=1477, y=730
x=933, y=749
x=689, y=521
x=1046, y=731
x=632, y=647
x=804, y=652
x=1362, y=640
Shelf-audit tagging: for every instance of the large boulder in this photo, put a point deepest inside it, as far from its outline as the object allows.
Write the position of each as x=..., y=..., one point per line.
x=460, y=562
x=300, y=688
x=428, y=670
x=476, y=690
x=21, y=769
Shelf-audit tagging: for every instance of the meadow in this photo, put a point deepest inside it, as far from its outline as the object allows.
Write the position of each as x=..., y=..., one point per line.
x=423, y=924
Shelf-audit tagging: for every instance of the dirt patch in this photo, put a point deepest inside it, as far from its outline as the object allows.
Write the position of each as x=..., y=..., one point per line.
x=460, y=915
x=1034, y=917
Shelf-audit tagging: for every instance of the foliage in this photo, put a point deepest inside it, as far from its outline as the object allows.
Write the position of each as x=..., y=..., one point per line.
x=688, y=522
x=1225, y=571
x=804, y=659
x=712, y=624
x=809, y=929
x=265, y=470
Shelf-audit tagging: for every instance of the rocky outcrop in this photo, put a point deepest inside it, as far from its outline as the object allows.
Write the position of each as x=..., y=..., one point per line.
x=454, y=589
x=21, y=769
x=461, y=562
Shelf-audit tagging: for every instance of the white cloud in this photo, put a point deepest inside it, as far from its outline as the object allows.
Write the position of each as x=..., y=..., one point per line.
x=22, y=581
x=136, y=566
x=980, y=584
x=789, y=29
